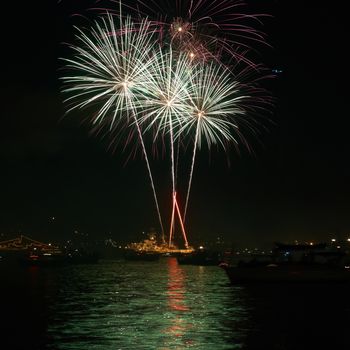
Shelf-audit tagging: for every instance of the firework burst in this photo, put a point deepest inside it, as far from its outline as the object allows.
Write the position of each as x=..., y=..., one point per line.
x=109, y=69
x=182, y=77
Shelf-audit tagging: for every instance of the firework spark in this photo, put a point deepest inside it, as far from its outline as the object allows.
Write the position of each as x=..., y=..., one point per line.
x=166, y=96
x=214, y=28
x=213, y=110
x=109, y=67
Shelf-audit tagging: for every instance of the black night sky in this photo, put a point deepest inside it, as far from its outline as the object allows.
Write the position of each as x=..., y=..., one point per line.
x=295, y=186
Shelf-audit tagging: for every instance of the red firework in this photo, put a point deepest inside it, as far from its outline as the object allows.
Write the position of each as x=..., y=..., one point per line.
x=221, y=29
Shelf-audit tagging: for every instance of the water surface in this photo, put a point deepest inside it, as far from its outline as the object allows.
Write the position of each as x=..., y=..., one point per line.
x=163, y=305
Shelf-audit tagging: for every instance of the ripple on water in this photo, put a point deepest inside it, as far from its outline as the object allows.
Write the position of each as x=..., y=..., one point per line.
x=151, y=305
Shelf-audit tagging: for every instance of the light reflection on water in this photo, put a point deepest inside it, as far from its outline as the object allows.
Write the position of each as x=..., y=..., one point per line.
x=150, y=305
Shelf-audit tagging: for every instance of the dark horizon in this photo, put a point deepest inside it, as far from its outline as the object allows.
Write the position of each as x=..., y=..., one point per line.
x=295, y=187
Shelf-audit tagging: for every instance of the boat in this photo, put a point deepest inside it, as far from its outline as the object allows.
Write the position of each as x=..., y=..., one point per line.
x=49, y=259
x=200, y=257
x=286, y=273
x=42, y=259
x=141, y=255
x=292, y=263
x=82, y=258
x=149, y=249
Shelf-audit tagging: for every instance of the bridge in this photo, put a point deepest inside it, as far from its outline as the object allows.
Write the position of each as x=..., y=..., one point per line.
x=25, y=243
